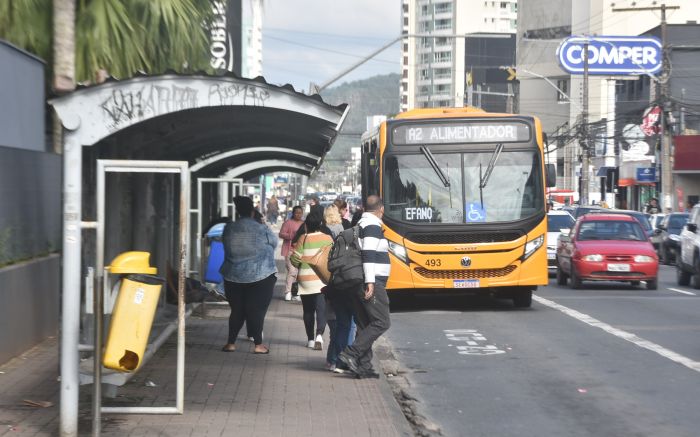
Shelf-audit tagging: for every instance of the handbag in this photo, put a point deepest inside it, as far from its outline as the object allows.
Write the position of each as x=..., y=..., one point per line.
x=319, y=263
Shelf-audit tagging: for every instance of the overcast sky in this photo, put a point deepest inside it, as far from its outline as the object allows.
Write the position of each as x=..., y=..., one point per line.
x=313, y=40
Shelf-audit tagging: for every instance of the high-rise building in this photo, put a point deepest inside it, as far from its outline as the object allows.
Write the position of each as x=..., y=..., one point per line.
x=434, y=49
x=252, y=39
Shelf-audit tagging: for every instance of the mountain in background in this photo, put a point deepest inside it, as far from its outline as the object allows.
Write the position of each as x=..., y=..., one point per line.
x=377, y=95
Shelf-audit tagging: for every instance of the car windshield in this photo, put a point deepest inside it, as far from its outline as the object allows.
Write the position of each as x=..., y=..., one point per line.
x=610, y=230
x=677, y=221
x=415, y=191
x=557, y=222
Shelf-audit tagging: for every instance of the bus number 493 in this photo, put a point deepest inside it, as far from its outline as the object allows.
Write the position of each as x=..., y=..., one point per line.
x=433, y=263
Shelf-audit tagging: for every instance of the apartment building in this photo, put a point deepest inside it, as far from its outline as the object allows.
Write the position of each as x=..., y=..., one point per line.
x=434, y=55
x=252, y=39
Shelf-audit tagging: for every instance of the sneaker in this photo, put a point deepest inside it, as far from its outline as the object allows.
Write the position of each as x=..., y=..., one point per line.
x=339, y=370
x=311, y=344
x=318, y=344
x=367, y=375
x=349, y=361
x=296, y=298
x=288, y=296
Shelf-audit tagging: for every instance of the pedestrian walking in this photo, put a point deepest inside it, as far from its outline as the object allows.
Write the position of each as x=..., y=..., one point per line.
x=338, y=310
x=287, y=233
x=249, y=273
x=376, y=267
x=310, y=284
x=273, y=210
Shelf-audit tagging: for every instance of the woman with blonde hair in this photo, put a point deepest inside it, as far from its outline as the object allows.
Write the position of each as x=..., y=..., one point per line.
x=332, y=220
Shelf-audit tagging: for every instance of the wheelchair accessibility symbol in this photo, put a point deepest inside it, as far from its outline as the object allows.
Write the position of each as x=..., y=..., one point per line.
x=475, y=213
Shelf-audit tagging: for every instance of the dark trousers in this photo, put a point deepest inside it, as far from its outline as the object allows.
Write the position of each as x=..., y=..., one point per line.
x=378, y=322
x=248, y=304
x=314, y=306
x=340, y=327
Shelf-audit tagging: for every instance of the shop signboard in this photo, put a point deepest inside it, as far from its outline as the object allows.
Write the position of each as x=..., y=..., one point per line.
x=646, y=174
x=611, y=55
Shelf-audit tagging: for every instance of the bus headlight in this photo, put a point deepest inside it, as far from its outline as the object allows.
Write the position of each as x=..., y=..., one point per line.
x=399, y=251
x=532, y=245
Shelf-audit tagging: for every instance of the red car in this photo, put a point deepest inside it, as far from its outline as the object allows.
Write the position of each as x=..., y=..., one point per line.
x=607, y=247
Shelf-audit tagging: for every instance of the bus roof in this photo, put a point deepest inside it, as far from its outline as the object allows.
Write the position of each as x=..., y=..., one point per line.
x=467, y=111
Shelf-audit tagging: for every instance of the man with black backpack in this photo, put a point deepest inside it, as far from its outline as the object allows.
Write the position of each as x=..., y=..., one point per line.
x=376, y=267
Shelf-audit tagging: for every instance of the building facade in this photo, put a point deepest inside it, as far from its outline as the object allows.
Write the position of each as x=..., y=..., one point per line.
x=434, y=56
x=252, y=39
x=556, y=97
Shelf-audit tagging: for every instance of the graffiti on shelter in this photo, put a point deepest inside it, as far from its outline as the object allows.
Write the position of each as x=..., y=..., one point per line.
x=124, y=106
x=237, y=94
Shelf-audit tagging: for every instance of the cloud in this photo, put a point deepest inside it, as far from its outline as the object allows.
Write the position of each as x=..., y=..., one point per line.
x=313, y=40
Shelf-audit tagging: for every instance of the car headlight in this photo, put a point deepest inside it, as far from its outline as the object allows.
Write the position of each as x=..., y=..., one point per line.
x=643, y=259
x=593, y=257
x=399, y=251
x=532, y=245
x=674, y=237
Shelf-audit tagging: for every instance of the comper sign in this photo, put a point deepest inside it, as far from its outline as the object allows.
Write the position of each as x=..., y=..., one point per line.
x=611, y=55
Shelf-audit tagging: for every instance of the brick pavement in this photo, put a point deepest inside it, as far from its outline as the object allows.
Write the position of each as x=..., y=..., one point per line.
x=285, y=393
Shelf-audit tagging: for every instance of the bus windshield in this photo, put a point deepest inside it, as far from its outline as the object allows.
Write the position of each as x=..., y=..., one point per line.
x=414, y=191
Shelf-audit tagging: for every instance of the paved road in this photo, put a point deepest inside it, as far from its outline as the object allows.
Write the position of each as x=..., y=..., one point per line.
x=609, y=360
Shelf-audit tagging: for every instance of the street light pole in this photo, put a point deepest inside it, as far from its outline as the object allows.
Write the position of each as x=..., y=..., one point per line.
x=584, y=141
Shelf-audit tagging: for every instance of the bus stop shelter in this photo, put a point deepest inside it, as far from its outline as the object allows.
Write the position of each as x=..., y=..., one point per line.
x=196, y=126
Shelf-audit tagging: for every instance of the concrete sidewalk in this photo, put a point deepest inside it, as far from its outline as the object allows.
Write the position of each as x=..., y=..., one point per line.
x=285, y=393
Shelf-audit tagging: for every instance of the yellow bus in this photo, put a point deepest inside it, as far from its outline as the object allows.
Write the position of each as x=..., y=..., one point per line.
x=464, y=200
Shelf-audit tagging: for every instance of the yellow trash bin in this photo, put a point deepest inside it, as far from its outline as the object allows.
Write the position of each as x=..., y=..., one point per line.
x=133, y=312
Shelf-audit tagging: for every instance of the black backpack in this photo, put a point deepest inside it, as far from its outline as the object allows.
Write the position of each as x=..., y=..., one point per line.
x=345, y=261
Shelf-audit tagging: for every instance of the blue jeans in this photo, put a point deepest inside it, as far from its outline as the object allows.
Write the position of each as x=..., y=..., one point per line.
x=339, y=330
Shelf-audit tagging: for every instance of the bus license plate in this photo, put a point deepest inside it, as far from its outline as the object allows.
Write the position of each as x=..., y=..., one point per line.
x=618, y=267
x=466, y=283
x=551, y=256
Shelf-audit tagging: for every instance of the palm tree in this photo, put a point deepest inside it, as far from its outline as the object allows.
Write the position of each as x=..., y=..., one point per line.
x=120, y=37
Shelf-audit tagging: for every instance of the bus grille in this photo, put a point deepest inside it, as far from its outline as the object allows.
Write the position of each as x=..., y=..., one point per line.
x=464, y=238
x=465, y=274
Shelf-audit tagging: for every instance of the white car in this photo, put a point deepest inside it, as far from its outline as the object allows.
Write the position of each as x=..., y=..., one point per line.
x=557, y=222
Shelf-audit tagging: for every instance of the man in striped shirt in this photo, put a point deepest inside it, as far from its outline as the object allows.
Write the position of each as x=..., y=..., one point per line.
x=376, y=266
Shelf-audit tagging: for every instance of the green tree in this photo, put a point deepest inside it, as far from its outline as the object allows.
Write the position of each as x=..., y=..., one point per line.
x=119, y=37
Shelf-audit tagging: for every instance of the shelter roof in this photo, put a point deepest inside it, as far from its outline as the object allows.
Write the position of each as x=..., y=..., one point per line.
x=213, y=122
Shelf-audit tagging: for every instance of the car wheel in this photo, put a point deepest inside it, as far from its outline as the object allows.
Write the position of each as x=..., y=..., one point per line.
x=575, y=280
x=663, y=255
x=696, y=273
x=682, y=277
x=561, y=276
x=652, y=284
x=634, y=283
x=523, y=299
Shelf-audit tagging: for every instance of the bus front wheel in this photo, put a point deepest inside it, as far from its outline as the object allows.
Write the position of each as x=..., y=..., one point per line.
x=522, y=299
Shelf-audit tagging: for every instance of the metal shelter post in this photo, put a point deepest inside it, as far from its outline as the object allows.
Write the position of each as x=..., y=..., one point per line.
x=237, y=184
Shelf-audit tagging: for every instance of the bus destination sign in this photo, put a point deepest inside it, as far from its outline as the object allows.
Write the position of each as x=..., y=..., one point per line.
x=465, y=132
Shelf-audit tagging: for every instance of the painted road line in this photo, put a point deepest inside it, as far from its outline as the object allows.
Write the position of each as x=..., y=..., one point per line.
x=689, y=293
x=632, y=338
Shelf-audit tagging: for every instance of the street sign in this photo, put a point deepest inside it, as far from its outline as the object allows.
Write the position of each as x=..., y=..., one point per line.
x=646, y=174
x=611, y=55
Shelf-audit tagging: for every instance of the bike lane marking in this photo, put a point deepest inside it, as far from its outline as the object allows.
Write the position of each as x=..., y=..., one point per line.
x=690, y=293
x=632, y=338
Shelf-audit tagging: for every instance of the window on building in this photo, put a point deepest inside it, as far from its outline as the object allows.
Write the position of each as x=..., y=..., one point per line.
x=504, y=5
x=425, y=58
x=424, y=74
x=405, y=21
x=445, y=23
x=442, y=73
x=443, y=8
x=404, y=100
x=405, y=8
x=443, y=56
x=424, y=10
x=405, y=60
x=442, y=41
x=405, y=74
x=563, y=86
x=443, y=89
x=560, y=166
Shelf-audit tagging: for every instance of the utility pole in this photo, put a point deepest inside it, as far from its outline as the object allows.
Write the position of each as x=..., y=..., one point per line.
x=664, y=94
x=584, y=141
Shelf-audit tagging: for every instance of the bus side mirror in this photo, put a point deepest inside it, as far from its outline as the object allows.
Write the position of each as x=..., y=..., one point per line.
x=550, y=175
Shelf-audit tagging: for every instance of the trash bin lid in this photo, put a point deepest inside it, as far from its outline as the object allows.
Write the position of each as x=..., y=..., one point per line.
x=132, y=262
x=217, y=230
